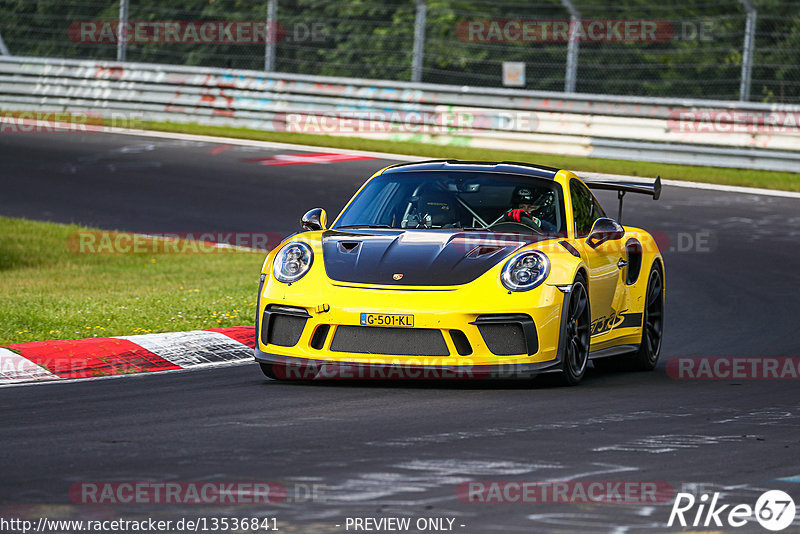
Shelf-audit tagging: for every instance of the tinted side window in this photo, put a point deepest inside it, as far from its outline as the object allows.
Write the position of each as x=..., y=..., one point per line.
x=585, y=209
x=597, y=211
x=581, y=208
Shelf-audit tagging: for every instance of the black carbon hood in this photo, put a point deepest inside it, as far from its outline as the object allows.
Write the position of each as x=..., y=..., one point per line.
x=416, y=257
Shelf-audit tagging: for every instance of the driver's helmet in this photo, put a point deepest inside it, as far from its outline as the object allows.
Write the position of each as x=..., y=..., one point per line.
x=534, y=201
x=528, y=199
x=522, y=196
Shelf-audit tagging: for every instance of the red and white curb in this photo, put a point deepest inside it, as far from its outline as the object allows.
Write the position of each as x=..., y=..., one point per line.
x=110, y=356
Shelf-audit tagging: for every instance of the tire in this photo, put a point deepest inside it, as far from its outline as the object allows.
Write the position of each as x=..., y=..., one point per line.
x=646, y=358
x=575, y=332
x=266, y=368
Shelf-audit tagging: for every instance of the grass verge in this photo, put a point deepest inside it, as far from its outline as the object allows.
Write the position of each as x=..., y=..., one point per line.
x=786, y=181
x=50, y=291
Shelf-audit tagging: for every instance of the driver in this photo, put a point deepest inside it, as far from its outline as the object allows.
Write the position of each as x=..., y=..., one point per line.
x=524, y=210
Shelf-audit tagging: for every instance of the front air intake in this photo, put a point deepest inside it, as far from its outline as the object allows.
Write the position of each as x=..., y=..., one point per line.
x=389, y=341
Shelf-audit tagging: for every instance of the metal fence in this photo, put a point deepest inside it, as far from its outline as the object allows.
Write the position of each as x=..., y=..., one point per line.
x=34, y=92
x=729, y=49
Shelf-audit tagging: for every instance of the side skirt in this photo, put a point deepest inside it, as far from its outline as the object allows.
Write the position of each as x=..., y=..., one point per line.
x=613, y=351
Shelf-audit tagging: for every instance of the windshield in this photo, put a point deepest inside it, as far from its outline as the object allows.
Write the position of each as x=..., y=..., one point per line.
x=450, y=200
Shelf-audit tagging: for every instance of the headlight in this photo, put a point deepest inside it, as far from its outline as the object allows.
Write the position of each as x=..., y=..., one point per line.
x=525, y=271
x=292, y=262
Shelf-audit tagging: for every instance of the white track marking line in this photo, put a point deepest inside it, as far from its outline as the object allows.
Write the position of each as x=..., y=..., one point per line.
x=733, y=189
x=193, y=348
x=698, y=185
x=406, y=157
x=14, y=367
x=261, y=144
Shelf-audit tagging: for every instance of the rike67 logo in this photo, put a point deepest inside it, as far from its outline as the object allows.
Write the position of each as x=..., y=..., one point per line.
x=774, y=510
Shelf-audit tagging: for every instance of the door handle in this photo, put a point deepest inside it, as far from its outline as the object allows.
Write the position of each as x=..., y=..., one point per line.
x=622, y=263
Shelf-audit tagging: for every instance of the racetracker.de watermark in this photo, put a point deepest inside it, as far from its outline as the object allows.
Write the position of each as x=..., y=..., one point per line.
x=421, y=368
x=104, y=242
x=585, y=491
x=442, y=122
x=728, y=121
x=76, y=121
x=139, y=492
x=736, y=368
x=584, y=30
x=241, y=32
x=701, y=241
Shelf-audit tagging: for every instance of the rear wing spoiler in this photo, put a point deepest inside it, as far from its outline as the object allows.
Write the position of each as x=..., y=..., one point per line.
x=625, y=186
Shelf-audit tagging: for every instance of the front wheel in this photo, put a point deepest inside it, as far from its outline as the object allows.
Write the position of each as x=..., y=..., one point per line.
x=575, y=334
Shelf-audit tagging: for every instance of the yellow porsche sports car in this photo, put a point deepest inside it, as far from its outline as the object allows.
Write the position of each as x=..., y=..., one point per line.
x=461, y=269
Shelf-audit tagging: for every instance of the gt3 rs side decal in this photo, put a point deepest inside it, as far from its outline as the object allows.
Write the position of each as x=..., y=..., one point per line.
x=615, y=320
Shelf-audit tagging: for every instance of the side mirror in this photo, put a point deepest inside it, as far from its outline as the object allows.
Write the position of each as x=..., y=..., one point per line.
x=315, y=219
x=604, y=229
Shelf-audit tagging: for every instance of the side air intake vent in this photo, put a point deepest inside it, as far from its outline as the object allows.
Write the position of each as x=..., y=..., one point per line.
x=634, y=250
x=508, y=334
x=319, y=337
x=283, y=325
x=461, y=342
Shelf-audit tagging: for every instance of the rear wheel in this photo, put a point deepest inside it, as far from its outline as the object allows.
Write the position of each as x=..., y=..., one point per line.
x=653, y=321
x=646, y=358
x=575, y=334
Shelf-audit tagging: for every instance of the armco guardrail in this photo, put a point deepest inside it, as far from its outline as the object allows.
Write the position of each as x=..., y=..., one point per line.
x=700, y=132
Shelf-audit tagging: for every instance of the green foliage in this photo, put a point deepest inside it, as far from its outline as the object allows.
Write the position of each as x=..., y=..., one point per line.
x=374, y=39
x=50, y=291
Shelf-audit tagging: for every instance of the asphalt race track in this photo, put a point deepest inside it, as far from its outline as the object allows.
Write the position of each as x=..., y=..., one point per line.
x=402, y=449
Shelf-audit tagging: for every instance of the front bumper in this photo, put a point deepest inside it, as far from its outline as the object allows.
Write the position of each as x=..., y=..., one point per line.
x=509, y=334
x=292, y=368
